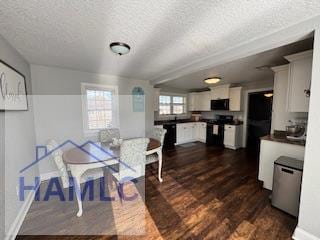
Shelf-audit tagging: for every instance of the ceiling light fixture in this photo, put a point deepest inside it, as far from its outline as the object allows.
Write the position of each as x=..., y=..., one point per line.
x=120, y=48
x=212, y=80
x=268, y=95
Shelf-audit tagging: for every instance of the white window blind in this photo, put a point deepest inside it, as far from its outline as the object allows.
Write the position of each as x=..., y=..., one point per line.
x=170, y=104
x=99, y=107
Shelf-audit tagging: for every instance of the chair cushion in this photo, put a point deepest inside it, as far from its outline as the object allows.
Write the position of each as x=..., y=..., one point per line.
x=152, y=158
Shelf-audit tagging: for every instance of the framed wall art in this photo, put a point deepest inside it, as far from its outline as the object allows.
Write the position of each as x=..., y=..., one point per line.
x=13, y=93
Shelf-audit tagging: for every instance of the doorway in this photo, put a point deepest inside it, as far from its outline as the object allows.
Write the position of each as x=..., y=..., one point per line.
x=259, y=118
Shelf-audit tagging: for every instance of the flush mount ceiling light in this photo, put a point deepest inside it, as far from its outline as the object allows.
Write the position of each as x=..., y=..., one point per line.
x=212, y=80
x=268, y=95
x=120, y=48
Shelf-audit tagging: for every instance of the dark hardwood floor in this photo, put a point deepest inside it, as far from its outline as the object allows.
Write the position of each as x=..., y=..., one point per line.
x=207, y=193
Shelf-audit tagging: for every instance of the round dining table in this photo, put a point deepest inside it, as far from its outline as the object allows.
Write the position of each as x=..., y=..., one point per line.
x=99, y=155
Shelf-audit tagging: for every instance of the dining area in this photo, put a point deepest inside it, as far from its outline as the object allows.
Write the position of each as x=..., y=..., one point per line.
x=121, y=160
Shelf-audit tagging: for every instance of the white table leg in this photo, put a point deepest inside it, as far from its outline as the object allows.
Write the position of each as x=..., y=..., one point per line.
x=159, y=152
x=76, y=174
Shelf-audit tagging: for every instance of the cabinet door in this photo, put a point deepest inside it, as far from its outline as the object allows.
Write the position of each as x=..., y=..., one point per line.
x=207, y=101
x=300, y=68
x=180, y=133
x=188, y=130
x=194, y=102
x=235, y=99
x=204, y=101
x=229, y=135
x=220, y=93
x=194, y=131
x=203, y=132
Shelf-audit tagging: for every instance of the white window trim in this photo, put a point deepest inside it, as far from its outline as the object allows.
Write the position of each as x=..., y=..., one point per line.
x=174, y=95
x=115, y=105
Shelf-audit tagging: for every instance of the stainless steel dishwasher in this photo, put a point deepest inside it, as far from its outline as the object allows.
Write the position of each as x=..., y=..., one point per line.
x=286, y=187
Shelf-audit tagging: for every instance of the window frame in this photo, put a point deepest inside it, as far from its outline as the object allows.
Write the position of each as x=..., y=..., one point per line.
x=172, y=95
x=85, y=115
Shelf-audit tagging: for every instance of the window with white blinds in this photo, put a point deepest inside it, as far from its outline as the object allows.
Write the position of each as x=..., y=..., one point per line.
x=99, y=106
x=170, y=104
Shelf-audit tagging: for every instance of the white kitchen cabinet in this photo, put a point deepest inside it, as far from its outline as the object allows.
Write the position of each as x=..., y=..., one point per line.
x=202, y=132
x=194, y=131
x=190, y=132
x=232, y=136
x=199, y=101
x=156, y=94
x=280, y=115
x=220, y=92
x=184, y=133
x=299, y=81
x=205, y=101
x=193, y=103
x=235, y=103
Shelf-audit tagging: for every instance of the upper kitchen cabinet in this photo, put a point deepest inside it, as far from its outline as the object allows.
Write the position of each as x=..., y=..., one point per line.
x=235, y=98
x=156, y=94
x=205, y=101
x=299, y=81
x=199, y=101
x=220, y=92
x=193, y=102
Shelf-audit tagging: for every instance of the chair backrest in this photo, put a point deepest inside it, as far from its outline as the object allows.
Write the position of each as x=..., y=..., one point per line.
x=159, y=133
x=132, y=158
x=106, y=135
x=57, y=157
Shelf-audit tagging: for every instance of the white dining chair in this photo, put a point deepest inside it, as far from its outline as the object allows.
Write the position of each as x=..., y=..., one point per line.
x=132, y=159
x=52, y=145
x=106, y=135
x=158, y=134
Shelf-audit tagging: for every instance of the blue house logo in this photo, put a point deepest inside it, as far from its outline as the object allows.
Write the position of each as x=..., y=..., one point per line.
x=54, y=187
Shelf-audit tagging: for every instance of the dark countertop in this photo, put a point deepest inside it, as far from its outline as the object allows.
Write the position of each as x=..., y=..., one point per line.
x=283, y=139
x=162, y=122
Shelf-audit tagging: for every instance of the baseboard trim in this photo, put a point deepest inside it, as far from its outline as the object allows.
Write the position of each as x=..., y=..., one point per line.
x=300, y=234
x=16, y=225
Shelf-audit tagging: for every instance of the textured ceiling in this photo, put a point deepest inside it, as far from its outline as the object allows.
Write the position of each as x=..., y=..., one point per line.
x=164, y=34
x=242, y=70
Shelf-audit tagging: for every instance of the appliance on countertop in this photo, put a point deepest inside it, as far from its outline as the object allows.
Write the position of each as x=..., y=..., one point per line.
x=287, y=177
x=171, y=136
x=297, y=130
x=215, y=129
x=221, y=104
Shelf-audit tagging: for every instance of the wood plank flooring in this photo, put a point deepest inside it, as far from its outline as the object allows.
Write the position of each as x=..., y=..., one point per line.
x=207, y=193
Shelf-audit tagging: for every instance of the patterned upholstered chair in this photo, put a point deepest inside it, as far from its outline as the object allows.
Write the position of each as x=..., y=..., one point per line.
x=57, y=157
x=132, y=159
x=157, y=133
x=106, y=135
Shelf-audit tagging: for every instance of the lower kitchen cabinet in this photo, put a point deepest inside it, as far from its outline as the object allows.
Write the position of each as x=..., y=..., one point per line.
x=232, y=136
x=190, y=132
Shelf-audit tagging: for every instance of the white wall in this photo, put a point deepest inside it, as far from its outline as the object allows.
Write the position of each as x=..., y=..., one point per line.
x=310, y=196
x=17, y=143
x=58, y=106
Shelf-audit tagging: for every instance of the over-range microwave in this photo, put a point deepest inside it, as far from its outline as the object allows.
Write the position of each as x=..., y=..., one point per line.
x=221, y=104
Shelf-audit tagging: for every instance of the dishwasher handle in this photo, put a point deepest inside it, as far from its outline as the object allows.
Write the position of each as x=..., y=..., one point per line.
x=286, y=170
